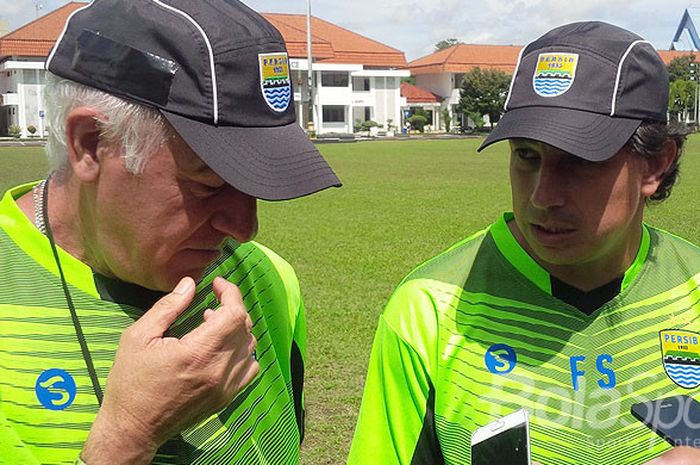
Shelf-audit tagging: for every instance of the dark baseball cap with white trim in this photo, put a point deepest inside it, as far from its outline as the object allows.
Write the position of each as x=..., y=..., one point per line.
x=584, y=88
x=216, y=70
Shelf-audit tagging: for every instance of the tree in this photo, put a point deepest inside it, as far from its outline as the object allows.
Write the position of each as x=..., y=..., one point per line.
x=447, y=119
x=483, y=92
x=446, y=43
x=681, y=99
x=683, y=73
x=680, y=67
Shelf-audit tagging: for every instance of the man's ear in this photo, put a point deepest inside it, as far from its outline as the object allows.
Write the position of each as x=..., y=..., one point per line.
x=657, y=167
x=83, y=142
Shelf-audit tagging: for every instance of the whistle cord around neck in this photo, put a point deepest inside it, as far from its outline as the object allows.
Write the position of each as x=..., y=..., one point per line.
x=74, y=315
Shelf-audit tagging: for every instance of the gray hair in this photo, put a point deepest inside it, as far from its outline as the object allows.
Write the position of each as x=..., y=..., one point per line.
x=137, y=130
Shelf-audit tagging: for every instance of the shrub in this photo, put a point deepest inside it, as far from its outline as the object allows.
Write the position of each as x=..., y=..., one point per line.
x=418, y=122
x=31, y=129
x=366, y=125
x=15, y=131
x=357, y=127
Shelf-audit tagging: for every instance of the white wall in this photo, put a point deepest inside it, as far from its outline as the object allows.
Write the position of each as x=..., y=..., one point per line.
x=23, y=93
x=384, y=96
x=437, y=83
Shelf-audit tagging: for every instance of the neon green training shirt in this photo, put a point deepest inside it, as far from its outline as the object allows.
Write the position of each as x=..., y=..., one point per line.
x=47, y=401
x=475, y=334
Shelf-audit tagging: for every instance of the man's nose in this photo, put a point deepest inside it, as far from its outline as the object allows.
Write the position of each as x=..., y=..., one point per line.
x=236, y=215
x=550, y=186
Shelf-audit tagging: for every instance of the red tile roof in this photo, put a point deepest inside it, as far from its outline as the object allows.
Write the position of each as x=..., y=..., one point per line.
x=464, y=57
x=668, y=55
x=415, y=94
x=35, y=39
x=334, y=44
x=330, y=43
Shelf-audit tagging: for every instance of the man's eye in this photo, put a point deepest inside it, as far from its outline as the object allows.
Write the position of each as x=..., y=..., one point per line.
x=525, y=154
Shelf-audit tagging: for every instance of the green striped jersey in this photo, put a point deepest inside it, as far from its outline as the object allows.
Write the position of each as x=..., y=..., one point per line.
x=47, y=403
x=475, y=334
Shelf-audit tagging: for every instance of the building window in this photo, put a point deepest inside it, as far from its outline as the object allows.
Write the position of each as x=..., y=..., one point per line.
x=333, y=114
x=459, y=77
x=333, y=79
x=368, y=113
x=360, y=84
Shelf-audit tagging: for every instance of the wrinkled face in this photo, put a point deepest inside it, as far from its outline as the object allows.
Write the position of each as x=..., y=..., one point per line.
x=570, y=212
x=168, y=222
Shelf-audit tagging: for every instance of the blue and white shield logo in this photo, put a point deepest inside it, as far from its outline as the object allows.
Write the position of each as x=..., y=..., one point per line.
x=680, y=352
x=554, y=73
x=274, y=80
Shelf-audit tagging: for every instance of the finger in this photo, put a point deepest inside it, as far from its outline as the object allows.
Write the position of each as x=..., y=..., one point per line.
x=241, y=375
x=228, y=325
x=226, y=292
x=248, y=323
x=222, y=329
x=164, y=312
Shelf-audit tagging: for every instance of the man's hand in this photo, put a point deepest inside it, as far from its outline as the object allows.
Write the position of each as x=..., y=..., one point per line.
x=678, y=456
x=158, y=386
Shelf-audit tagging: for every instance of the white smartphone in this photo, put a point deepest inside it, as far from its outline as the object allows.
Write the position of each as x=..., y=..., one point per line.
x=504, y=441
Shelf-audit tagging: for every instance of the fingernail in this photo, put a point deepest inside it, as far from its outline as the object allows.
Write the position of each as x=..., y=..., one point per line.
x=183, y=286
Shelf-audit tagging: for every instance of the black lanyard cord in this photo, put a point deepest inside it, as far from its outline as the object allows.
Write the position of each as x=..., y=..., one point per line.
x=74, y=315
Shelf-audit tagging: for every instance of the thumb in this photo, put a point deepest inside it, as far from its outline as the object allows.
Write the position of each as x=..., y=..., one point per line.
x=164, y=312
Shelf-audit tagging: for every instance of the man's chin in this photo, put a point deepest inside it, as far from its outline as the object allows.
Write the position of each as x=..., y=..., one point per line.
x=195, y=271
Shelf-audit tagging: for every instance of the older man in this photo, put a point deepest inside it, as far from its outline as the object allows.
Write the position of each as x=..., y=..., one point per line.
x=168, y=120
x=570, y=306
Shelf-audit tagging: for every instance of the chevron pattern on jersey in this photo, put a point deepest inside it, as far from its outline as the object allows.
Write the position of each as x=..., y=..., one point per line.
x=482, y=302
x=36, y=334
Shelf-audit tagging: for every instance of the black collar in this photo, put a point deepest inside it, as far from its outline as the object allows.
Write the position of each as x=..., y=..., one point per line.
x=587, y=302
x=121, y=292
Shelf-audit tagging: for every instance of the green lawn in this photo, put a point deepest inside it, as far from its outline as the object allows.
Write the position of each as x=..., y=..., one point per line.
x=402, y=203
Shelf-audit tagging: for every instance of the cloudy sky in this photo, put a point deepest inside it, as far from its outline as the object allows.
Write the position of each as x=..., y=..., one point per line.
x=415, y=25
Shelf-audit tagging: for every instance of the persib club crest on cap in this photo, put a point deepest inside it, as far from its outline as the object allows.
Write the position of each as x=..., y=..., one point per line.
x=680, y=352
x=274, y=80
x=554, y=74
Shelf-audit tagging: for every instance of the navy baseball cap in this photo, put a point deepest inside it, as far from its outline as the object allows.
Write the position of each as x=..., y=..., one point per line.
x=216, y=70
x=584, y=88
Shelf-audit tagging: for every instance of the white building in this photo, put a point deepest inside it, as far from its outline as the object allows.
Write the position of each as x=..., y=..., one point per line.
x=442, y=72
x=357, y=79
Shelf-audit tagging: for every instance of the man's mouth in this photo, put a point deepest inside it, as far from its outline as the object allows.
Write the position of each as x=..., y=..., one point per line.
x=552, y=235
x=553, y=229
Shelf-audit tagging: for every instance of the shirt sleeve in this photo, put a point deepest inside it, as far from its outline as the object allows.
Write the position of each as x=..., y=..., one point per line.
x=395, y=424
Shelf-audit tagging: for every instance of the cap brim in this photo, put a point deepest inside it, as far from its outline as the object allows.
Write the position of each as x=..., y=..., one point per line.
x=270, y=163
x=587, y=135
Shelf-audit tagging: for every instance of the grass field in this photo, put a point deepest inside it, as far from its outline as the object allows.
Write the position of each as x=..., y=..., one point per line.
x=402, y=203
